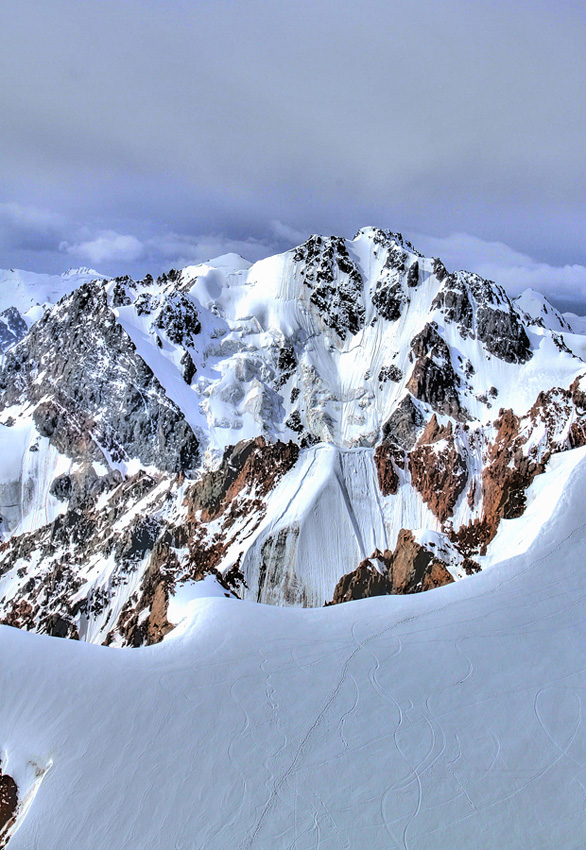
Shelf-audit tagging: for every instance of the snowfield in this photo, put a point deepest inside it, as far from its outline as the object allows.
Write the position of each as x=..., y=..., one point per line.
x=26, y=290
x=448, y=719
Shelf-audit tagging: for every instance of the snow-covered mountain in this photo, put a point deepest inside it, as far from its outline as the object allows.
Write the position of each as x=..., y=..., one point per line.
x=22, y=290
x=343, y=420
x=24, y=295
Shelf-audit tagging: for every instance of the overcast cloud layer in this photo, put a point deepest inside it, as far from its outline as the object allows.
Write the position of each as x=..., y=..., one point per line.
x=140, y=135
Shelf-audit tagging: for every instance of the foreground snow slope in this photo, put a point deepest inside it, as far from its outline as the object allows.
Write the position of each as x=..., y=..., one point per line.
x=449, y=719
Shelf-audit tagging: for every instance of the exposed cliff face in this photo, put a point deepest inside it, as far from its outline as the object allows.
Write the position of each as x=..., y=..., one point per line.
x=413, y=568
x=391, y=294
x=433, y=379
x=438, y=470
x=258, y=430
x=252, y=463
x=404, y=425
x=481, y=309
x=13, y=328
x=389, y=459
x=335, y=283
x=410, y=568
x=92, y=393
x=362, y=583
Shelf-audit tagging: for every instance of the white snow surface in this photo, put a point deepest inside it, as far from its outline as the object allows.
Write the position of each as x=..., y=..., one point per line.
x=29, y=465
x=577, y=323
x=537, y=307
x=450, y=719
x=25, y=290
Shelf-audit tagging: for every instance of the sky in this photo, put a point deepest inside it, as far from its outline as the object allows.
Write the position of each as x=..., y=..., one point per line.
x=140, y=135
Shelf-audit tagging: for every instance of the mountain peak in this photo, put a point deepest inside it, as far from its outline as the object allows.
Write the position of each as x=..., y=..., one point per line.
x=381, y=237
x=218, y=422
x=82, y=271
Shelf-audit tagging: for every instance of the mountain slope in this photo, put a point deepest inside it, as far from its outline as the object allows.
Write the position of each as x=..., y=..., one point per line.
x=342, y=420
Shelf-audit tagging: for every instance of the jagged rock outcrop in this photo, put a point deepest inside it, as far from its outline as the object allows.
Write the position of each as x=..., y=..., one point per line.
x=438, y=470
x=434, y=380
x=364, y=582
x=390, y=295
x=482, y=309
x=335, y=282
x=498, y=325
x=92, y=392
x=454, y=301
x=178, y=318
x=13, y=328
x=404, y=425
x=389, y=458
x=413, y=568
x=409, y=568
x=390, y=373
x=254, y=463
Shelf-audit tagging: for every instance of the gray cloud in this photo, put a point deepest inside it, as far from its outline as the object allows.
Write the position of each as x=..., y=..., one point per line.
x=106, y=247
x=154, y=121
x=27, y=227
x=180, y=250
x=564, y=285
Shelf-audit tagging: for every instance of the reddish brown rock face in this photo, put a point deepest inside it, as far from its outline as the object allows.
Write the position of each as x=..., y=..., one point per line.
x=8, y=806
x=387, y=459
x=250, y=463
x=411, y=568
x=414, y=568
x=438, y=472
x=365, y=581
x=508, y=474
x=505, y=478
x=154, y=598
x=577, y=436
x=21, y=615
x=578, y=395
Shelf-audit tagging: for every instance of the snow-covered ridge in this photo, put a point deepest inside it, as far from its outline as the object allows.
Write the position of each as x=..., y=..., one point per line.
x=23, y=289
